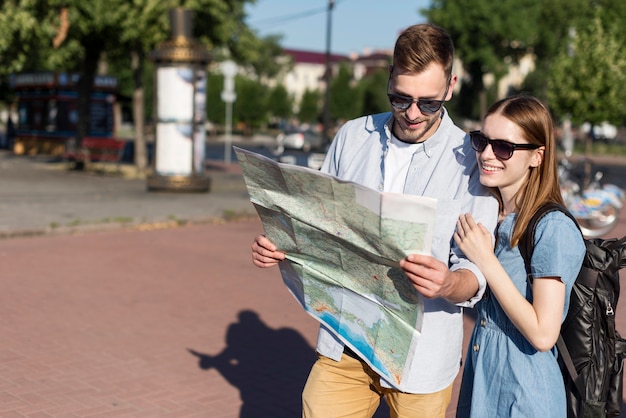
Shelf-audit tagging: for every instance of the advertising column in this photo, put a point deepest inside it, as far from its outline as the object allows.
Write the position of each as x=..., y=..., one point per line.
x=180, y=110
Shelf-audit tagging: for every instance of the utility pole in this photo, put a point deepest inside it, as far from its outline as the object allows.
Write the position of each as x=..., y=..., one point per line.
x=327, y=74
x=568, y=139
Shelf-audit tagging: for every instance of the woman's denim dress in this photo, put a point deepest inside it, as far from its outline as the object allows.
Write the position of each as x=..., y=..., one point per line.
x=504, y=375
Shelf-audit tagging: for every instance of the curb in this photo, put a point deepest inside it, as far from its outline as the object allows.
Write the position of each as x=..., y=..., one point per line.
x=124, y=226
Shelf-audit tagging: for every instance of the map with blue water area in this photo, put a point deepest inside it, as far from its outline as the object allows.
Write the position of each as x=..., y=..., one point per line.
x=343, y=243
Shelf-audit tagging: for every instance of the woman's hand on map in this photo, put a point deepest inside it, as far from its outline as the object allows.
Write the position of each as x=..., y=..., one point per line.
x=265, y=253
x=475, y=241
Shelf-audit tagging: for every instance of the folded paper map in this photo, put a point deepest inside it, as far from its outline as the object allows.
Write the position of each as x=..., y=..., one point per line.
x=343, y=244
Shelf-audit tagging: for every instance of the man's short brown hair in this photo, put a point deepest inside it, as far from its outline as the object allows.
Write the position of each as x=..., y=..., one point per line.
x=420, y=45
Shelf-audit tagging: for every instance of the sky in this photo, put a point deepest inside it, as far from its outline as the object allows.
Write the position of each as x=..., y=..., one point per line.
x=356, y=25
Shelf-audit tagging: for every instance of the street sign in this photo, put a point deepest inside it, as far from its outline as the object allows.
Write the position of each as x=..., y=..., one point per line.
x=228, y=96
x=229, y=69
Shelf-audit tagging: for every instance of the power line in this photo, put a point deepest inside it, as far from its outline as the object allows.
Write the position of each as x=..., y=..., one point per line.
x=284, y=19
x=278, y=20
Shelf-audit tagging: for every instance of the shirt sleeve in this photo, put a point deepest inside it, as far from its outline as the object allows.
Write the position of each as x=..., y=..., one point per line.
x=484, y=209
x=559, y=249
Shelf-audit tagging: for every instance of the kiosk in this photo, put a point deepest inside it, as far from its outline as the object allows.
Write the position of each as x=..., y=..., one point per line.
x=47, y=107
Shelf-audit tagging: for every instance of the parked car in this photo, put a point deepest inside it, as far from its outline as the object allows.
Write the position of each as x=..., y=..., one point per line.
x=604, y=132
x=300, y=139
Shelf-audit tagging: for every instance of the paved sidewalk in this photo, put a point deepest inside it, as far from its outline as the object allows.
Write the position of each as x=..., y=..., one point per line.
x=41, y=196
x=118, y=302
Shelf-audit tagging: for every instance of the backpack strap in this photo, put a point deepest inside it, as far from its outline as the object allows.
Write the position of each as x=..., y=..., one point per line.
x=527, y=241
x=526, y=247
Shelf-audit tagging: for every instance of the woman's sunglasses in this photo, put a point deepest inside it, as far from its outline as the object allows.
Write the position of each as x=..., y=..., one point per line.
x=503, y=150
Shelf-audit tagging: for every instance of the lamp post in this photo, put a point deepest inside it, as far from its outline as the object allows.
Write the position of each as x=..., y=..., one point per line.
x=180, y=102
x=568, y=138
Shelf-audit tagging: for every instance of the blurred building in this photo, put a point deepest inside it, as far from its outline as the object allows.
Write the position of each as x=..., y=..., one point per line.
x=308, y=67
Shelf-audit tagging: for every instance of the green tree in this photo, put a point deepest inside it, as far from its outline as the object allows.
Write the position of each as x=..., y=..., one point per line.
x=310, y=106
x=215, y=107
x=374, y=93
x=264, y=62
x=250, y=109
x=557, y=19
x=489, y=36
x=31, y=32
x=60, y=35
x=586, y=82
x=75, y=35
x=345, y=100
x=279, y=104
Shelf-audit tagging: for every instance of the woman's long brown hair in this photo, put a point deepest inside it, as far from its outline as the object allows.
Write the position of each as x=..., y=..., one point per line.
x=542, y=184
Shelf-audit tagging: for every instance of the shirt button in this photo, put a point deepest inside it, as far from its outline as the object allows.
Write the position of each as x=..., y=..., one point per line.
x=381, y=187
x=483, y=322
x=476, y=347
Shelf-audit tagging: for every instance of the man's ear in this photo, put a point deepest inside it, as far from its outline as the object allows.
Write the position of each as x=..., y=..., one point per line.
x=453, y=80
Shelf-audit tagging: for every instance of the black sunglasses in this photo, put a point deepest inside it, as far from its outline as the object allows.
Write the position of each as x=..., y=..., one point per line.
x=426, y=106
x=503, y=150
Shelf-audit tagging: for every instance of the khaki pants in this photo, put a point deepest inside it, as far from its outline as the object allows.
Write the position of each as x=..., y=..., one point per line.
x=351, y=389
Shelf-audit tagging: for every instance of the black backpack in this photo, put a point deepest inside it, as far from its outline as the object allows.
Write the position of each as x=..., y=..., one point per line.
x=590, y=348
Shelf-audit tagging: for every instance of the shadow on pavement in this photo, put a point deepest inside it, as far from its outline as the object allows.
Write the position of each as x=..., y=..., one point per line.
x=268, y=366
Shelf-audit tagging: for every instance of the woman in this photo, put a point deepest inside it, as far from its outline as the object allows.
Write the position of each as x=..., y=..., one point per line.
x=511, y=368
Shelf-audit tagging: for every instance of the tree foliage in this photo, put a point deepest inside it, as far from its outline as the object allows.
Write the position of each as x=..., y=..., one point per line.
x=215, y=107
x=557, y=19
x=374, y=92
x=491, y=36
x=587, y=81
x=279, y=103
x=78, y=35
x=310, y=106
x=344, y=98
x=250, y=108
x=488, y=37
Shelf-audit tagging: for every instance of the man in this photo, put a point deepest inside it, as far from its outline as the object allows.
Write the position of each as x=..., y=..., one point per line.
x=416, y=149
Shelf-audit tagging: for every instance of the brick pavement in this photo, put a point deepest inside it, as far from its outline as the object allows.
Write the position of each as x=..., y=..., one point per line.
x=165, y=323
